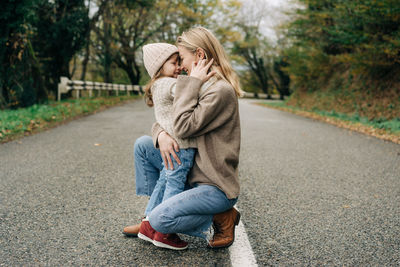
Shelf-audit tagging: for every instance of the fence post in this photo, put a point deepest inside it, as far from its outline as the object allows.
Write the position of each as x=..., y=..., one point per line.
x=75, y=93
x=62, y=87
x=116, y=87
x=98, y=86
x=87, y=84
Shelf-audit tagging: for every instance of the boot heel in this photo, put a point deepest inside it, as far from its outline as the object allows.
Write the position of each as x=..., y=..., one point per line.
x=237, y=218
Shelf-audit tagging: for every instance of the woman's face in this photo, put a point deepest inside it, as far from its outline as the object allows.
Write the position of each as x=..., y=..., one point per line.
x=171, y=67
x=187, y=58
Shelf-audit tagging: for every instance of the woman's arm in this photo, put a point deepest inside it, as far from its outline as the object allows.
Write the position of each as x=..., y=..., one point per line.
x=194, y=117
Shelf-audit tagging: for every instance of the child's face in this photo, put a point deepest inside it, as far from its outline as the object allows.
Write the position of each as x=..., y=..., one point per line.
x=171, y=67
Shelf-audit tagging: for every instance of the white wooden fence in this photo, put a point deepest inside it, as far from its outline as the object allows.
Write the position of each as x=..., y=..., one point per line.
x=254, y=95
x=77, y=86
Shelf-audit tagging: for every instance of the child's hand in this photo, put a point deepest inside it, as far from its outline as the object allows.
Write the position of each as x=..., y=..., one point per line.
x=200, y=70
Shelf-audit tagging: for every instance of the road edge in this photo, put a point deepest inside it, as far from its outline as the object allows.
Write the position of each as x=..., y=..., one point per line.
x=356, y=127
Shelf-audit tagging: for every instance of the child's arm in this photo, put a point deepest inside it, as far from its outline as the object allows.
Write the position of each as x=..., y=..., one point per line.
x=166, y=87
x=173, y=89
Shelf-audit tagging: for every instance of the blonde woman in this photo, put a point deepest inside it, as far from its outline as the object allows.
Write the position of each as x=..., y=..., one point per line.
x=210, y=116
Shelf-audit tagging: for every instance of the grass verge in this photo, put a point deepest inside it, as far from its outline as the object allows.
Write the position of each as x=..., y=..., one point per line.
x=383, y=129
x=26, y=121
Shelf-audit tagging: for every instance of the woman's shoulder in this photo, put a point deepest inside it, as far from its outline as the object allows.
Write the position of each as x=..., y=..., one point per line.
x=223, y=88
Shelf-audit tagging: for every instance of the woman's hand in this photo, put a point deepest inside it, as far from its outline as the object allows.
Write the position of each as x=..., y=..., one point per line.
x=168, y=146
x=200, y=70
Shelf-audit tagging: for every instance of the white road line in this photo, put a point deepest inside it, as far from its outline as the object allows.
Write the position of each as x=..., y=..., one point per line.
x=240, y=251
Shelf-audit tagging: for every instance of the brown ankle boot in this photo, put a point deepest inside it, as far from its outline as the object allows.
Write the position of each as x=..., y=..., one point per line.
x=132, y=230
x=224, y=227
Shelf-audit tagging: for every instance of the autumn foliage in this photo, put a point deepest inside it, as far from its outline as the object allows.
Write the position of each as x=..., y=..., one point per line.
x=345, y=56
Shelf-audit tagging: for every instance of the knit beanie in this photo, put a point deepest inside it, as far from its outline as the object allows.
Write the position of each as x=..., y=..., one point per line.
x=155, y=55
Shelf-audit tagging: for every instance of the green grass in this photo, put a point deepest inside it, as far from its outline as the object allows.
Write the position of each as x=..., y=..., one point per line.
x=16, y=123
x=391, y=126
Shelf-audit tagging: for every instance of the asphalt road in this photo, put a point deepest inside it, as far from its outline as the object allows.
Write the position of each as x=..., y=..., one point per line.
x=312, y=194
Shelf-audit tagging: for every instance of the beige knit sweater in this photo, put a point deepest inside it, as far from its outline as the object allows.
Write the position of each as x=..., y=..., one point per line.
x=212, y=117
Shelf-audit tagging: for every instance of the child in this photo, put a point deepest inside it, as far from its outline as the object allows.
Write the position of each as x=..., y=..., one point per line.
x=161, y=62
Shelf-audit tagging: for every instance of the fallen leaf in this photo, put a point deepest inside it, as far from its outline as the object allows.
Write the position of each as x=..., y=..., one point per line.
x=97, y=144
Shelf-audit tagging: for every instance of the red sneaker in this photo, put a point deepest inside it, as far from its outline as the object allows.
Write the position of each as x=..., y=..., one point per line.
x=170, y=241
x=146, y=232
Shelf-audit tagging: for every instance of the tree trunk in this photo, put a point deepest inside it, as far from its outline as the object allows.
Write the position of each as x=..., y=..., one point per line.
x=95, y=18
x=133, y=77
x=107, y=40
x=86, y=59
x=263, y=82
x=73, y=67
x=41, y=92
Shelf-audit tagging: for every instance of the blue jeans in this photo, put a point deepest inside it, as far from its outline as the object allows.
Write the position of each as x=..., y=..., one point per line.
x=172, y=182
x=189, y=212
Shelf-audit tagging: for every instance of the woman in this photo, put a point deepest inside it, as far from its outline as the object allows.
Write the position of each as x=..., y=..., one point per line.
x=212, y=117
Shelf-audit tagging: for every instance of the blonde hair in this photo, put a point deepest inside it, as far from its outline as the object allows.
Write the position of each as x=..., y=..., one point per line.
x=148, y=96
x=200, y=37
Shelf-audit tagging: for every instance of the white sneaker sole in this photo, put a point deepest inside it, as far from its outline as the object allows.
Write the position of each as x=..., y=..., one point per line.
x=162, y=245
x=145, y=238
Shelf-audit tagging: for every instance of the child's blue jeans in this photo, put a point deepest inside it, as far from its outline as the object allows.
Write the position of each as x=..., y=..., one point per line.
x=172, y=182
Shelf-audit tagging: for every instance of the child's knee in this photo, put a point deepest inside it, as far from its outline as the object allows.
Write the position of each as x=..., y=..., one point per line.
x=141, y=143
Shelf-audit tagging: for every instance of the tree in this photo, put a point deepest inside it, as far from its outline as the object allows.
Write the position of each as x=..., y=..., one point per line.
x=122, y=30
x=131, y=24
x=283, y=81
x=102, y=4
x=61, y=30
x=20, y=75
x=105, y=39
x=257, y=50
x=253, y=49
x=364, y=33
